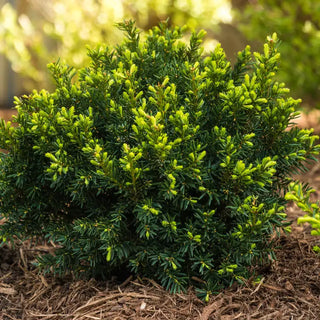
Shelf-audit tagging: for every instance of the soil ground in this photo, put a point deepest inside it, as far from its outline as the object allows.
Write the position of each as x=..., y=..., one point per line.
x=288, y=289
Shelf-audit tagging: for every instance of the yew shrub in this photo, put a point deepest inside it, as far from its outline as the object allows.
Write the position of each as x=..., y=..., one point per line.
x=156, y=160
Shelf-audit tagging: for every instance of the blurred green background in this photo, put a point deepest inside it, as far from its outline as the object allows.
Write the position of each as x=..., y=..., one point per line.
x=36, y=32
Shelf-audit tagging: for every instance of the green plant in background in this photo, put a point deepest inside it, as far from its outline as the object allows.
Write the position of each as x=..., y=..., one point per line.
x=157, y=160
x=297, y=194
x=298, y=25
x=302, y=199
x=44, y=30
x=50, y=29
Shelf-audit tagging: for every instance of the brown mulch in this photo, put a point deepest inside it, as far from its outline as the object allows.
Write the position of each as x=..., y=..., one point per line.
x=288, y=289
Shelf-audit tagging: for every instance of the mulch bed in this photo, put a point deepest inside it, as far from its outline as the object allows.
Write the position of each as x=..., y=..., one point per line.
x=288, y=289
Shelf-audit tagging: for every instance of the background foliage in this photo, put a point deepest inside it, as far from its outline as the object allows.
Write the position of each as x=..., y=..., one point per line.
x=42, y=31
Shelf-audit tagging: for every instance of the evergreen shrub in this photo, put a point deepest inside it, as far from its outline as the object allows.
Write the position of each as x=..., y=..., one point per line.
x=156, y=159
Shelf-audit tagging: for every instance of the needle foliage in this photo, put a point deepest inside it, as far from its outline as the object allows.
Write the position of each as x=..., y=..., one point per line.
x=155, y=159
